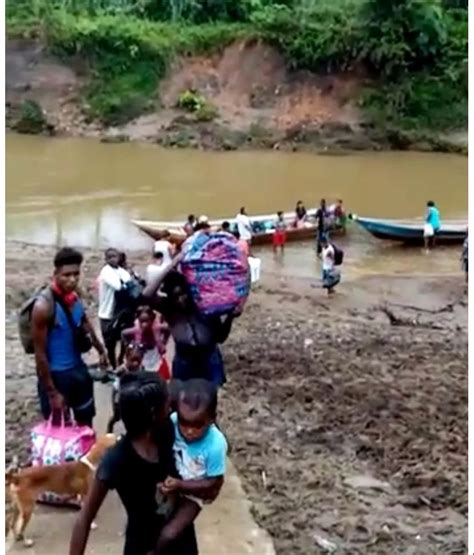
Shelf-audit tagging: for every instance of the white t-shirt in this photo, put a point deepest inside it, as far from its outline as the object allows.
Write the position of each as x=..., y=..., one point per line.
x=328, y=255
x=110, y=280
x=152, y=271
x=244, y=227
x=164, y=247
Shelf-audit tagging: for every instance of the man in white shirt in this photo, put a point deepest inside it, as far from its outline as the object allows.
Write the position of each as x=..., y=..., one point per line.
x=243, y=225
x=165, y=247
x=112, y=278
x=331, y=276
x=154, y=268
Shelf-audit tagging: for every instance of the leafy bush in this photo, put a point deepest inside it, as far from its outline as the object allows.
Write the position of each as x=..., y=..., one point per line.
x=129, y=56
x=190, y=101
x=207, y=112
x=31, y=118
x=193, y=102
x=415, y=51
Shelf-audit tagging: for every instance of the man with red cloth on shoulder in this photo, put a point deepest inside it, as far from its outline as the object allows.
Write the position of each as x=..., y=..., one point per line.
x=61, y=333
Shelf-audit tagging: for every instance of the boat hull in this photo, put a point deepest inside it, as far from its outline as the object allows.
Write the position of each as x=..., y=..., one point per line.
x=412, y=232
x=264, y=238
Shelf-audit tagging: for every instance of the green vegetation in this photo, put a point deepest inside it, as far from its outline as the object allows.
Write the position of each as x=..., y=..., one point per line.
x=31, y=118
x=195, y=103
x=413, y=53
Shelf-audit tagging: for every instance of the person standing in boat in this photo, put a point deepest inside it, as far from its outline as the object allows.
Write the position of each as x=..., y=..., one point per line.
x=189, y=225
x=244, y=225
x=432, y=224
x=301, y=214
x=321, y=221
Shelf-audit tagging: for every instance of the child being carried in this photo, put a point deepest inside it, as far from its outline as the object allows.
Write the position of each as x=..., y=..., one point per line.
x=200, y=450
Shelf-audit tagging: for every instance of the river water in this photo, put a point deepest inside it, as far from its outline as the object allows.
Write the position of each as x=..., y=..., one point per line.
x=83, y=192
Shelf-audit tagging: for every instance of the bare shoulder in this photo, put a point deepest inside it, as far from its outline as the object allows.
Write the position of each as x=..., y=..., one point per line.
x=41, y=309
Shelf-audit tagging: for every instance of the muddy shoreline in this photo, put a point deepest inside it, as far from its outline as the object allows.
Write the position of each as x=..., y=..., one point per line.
x=183, y=132
x=347, y=418
x=269, y=108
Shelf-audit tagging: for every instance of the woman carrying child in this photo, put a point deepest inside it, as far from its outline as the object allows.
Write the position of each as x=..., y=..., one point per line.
x=134, y=467
x=200, y=450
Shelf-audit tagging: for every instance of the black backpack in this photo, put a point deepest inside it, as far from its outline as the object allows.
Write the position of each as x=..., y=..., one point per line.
x=127, y=301
x=338, y=255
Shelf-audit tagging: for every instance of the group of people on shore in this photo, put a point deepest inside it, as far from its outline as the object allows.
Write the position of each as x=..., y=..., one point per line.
x=171, y=460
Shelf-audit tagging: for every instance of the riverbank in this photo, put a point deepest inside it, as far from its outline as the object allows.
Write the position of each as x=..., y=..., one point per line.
x=347, y=418
x=250, y=100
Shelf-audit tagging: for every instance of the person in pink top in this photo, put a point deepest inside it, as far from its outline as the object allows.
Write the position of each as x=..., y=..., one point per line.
x=244, y=245
x=151, y=334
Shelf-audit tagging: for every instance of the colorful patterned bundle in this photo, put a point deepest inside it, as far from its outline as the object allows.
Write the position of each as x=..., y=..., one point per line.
x=217, y=271
x=56, y=445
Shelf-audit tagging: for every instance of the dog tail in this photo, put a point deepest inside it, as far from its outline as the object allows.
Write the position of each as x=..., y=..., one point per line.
x=11, y=473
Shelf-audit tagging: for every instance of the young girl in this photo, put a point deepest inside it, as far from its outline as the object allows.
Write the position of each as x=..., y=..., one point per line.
x=151, y=335
x=133, y=363
x=133, y=467
x=200, y=450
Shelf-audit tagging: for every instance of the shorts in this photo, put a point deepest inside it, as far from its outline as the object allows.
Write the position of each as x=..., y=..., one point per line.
x=279, y=238
x=77, y=388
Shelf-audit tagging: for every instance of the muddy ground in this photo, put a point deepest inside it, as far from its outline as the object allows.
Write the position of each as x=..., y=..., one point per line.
x=347, y=417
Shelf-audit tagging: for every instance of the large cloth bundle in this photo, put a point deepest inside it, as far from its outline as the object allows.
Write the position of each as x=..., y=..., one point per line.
x=58, y=444
x=217, y=271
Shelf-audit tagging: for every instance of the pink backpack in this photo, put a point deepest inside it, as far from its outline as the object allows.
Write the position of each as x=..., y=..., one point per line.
x=58, y=444
x=217, y=271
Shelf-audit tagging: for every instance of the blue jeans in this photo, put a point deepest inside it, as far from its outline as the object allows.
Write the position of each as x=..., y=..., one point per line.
x=330, y=279
x=211, y=369
x=77, y=388
x=319, y=238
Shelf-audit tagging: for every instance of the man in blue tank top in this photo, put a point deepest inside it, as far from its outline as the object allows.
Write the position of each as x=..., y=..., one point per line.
x=60, y=335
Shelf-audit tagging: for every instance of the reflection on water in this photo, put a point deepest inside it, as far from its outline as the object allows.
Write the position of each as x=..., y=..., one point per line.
x=81, y=192
x=109, y=226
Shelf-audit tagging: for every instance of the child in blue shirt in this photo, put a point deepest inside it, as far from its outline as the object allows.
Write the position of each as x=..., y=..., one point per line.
x=200, y=451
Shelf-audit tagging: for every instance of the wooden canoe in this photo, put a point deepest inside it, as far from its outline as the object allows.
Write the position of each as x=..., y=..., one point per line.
x=411, y=232
x=155, y=229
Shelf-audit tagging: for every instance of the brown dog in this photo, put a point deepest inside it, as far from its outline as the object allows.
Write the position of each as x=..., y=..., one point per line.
x=70, y=478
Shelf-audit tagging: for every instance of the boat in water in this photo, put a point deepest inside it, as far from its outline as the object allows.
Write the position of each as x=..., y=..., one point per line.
x=411, y=231
x=262, y=226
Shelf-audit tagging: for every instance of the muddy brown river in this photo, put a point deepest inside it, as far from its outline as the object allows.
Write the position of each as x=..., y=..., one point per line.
x=83, y=192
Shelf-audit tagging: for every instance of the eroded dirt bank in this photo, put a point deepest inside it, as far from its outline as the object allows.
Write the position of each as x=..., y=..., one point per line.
x=347, y=418
x=258, y=103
